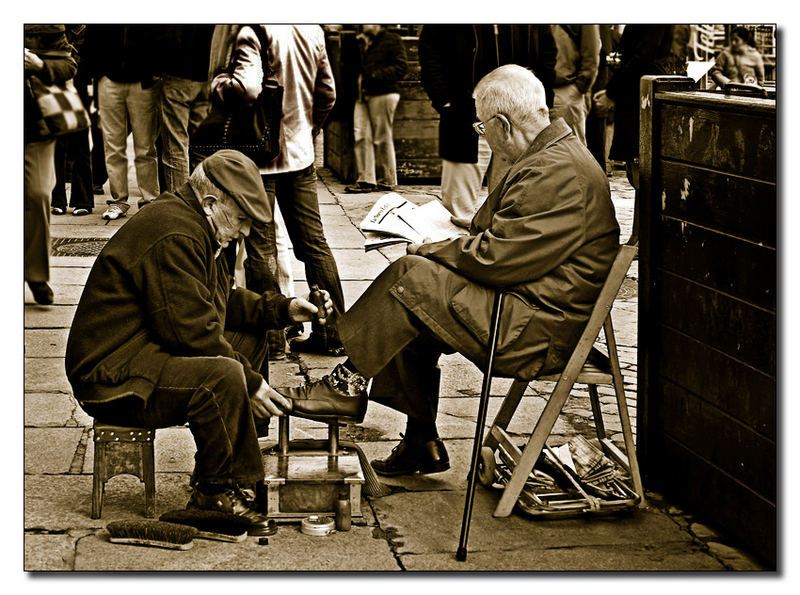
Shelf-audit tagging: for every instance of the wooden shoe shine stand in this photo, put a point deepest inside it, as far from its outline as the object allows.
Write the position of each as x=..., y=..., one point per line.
x=311, y=477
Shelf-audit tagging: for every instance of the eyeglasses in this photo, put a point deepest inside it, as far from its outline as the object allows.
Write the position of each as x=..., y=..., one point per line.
x=480, y=127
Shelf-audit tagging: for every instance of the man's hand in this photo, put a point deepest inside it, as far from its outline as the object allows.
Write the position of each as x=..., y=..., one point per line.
x=603, y=102
x=267, y=402
x=302, y=310
x=32, y=61
x=414, y=248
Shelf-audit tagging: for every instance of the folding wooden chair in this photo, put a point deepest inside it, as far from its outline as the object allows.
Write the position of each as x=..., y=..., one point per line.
x=587, y=365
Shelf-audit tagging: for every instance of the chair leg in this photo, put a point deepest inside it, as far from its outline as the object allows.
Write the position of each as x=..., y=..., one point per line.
x=534, y=447
x=98, y=481
x=622, y=405
x=597, y=413
x=507, y=410
x=149, y=478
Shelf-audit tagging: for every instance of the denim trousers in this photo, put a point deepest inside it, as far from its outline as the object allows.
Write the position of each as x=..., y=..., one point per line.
x=373, y=122
x=210, y=393
x=40, y=178
x=184, y=104
x=296, y=195
x=72, y=154
x=120, y=105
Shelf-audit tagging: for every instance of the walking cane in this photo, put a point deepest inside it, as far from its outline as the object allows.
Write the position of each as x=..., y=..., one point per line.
x=483, y=405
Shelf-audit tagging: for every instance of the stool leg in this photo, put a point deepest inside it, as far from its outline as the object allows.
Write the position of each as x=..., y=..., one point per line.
x=333, y=438
x=597, y=413
x=98, y=480
x=149, y=473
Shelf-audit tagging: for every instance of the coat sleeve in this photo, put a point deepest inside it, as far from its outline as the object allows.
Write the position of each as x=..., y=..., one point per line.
x=539, y=223
x=57, y=69
x=590, y=57
x=324, y=89
x=244, y=82
x=184, y=318
x=432, y=65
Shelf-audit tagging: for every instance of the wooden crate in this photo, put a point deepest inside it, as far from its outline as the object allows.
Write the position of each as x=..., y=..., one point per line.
x=707, y=309
x=416, y=124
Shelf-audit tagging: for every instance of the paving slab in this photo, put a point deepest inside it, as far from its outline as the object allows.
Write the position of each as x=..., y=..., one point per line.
x=50, y=450
x=51, y=317
x=361, y=548
x=69, y=275
x=353, y=265
x=54, y=409
x=51, y=552
x=46, y=375
x=46, y=342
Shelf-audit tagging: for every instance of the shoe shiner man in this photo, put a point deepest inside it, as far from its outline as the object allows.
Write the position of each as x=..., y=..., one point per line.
x=160, y=337
x=548, y=231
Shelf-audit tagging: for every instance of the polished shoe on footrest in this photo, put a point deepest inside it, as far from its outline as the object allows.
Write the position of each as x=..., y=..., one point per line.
x=232, y=500
x=342, y=395
x=408, y=458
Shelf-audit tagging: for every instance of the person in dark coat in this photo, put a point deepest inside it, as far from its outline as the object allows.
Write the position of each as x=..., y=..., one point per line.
x=160, y=337
x=383, y=64
x=453, y=58
x=548, y=230
x=644, y=49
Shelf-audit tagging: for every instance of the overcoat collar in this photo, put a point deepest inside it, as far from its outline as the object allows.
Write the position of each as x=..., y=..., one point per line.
x=189, y=195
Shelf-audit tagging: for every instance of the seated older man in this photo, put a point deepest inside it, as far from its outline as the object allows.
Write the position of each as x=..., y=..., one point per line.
x=160, y=337
x=547, y=231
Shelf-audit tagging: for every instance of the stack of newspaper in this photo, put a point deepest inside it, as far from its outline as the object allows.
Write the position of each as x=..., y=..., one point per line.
x=395, y=220
x=596, y=472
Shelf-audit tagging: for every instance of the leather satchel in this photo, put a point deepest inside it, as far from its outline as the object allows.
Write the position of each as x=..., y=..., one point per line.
x=251, y=129
x=61, y=110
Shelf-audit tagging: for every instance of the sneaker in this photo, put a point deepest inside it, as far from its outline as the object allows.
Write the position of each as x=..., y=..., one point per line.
x=57, y=211
x=407, y=458
x=80, y=212
x=232, y=501
x=114, y=212
x=342, y=395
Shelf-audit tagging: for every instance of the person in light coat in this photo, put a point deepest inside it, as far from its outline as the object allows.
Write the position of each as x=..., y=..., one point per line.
x=547, y=232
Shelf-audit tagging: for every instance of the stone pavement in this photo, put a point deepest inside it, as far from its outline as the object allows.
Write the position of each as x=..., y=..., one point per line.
x=416, y=527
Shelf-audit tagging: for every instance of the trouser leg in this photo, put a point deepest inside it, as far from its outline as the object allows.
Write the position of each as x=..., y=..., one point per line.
x=572, y=105
x=80, y=194
x=114, y=125
x=177, y=99
x=143, y=108
x=363, y=148
x=59, y=194
x=381, y=113
x=39, y=181
x=296, y=194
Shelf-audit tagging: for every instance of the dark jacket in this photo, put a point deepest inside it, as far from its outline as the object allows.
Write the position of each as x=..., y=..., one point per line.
x=453, y=58
x=157, y=291
x=124, y=53
x=548, y=232
x=58, y=68
x=186, y=51
x=644, y=49
x=383, y=64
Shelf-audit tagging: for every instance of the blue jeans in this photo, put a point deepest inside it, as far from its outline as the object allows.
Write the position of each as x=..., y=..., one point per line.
x=296, y=193
x=211, y=394
x=184, y=104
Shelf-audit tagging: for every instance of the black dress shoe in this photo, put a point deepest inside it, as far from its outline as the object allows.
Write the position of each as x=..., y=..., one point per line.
x=41, y=292
x=342, y=395
x=407, y=458
x=316, y=343
x=231, y=501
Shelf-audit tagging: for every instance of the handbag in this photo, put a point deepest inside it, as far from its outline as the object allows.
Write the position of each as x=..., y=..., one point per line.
x=252, y=129
x=61, y=110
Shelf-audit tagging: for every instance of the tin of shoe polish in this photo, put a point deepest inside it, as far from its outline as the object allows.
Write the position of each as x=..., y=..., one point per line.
x=318, y=526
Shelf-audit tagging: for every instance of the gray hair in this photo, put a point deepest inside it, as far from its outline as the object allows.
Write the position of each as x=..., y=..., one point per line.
x=204, y=186
x=516, y=92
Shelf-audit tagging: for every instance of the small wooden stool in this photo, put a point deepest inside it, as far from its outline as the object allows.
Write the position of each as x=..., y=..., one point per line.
x=119, y=450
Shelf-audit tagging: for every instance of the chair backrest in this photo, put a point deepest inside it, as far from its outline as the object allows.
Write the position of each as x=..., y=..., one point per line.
x=601, y=309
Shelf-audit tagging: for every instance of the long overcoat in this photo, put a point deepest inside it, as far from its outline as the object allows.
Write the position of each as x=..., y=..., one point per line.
x=549, y=233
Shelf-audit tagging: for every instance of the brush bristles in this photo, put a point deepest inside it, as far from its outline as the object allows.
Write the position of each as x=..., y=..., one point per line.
x=157, y=533
x=209, y=521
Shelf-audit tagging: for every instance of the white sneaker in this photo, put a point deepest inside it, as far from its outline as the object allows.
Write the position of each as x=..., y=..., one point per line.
x=114, y=212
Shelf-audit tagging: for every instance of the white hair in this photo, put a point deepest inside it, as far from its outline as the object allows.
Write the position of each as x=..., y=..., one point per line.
x=204, y=186
x=516, y=92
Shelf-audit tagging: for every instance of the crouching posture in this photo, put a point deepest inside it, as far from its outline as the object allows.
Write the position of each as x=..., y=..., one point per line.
x=547, y=231
x=161, y=338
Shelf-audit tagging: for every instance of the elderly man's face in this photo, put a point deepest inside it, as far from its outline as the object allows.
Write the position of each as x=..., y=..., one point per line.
x=496, y=132
x=228, y=220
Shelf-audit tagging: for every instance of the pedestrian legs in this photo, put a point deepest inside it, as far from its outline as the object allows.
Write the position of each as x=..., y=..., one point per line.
x=39, y=181
x=364, y=148
x=572, y=105
x=461, y=184
x=381, y=114
x=143, y=108
x=114, y=125
x=178, y=96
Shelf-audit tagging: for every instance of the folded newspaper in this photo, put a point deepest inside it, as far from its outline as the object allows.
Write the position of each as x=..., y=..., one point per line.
x=395, y=220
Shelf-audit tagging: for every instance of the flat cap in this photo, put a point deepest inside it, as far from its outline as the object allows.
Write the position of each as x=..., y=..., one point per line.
x=238, y=176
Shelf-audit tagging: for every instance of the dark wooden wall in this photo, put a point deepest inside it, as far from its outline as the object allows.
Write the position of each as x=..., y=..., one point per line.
x=707, y=326
x=416, y=124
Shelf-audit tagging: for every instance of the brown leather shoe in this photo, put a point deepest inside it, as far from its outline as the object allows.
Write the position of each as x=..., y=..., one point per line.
x=232, y=501
x=342, y=394
x=407, y=458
